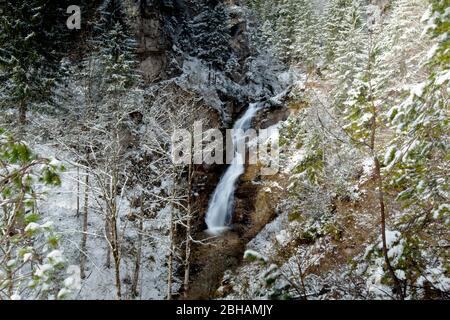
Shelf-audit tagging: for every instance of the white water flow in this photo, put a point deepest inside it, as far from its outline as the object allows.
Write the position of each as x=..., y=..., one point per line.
x=219, y=214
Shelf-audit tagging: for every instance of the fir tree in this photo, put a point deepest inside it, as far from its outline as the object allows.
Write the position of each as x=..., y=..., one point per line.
x=117, y=60
x=350, y=54
x=336, y=12
x=29, y=57
x=31, y=256
x=404, y=42
x=211, y=36
x=112, y=12
x=364, y=114
x=420, y=156
x=288, y=12
x=306, y=46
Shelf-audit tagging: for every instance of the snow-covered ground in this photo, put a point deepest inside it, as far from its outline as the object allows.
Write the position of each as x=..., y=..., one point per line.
x=60, y=206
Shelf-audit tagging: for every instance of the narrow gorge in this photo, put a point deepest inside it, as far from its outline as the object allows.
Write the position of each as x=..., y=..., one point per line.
x=224, y=149
x=256, y=77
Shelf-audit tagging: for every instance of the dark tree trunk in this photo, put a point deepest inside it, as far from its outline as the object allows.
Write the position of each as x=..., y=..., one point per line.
x=397, y=283
x=22, y=113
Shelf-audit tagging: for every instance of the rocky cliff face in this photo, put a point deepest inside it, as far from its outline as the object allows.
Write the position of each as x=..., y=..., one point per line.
x=170, y=38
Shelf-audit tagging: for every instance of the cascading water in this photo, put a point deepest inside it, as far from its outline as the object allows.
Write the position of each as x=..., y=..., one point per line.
x=219, y=214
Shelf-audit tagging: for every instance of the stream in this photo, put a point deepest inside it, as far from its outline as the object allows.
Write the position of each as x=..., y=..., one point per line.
x=235, y=213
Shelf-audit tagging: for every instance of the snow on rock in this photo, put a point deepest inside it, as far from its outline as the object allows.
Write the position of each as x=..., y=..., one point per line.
x=283, y=237
x=252, y=255
x=263, y=242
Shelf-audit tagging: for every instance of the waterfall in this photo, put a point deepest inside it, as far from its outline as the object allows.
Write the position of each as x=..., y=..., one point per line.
x=219, y=214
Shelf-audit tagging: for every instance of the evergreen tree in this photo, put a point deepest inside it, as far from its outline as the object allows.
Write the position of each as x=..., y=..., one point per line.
x=288, y=12
x=373, y=56
x=112, y=12
x=336, y=13
x=364, y=115
x=117, y=61
x=404, y=43
x=29, y=59
x=31, y=258
x=292, y=27
x=268, y=33
x=210, y=34
x=350, y=54
x=306, y=46
x=266, y=10
x=420, y=156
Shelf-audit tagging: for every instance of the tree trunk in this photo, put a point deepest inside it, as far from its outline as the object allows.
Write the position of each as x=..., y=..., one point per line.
x=397, y=283
x=170, y=258
x=85, y=228
x=117, y=273
x=78, y=192
x=108, y=247
x=115, y=241
x=114, y=249
x=137, y=265
x=379, y=178
x=187, y=262
x=22, y=113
